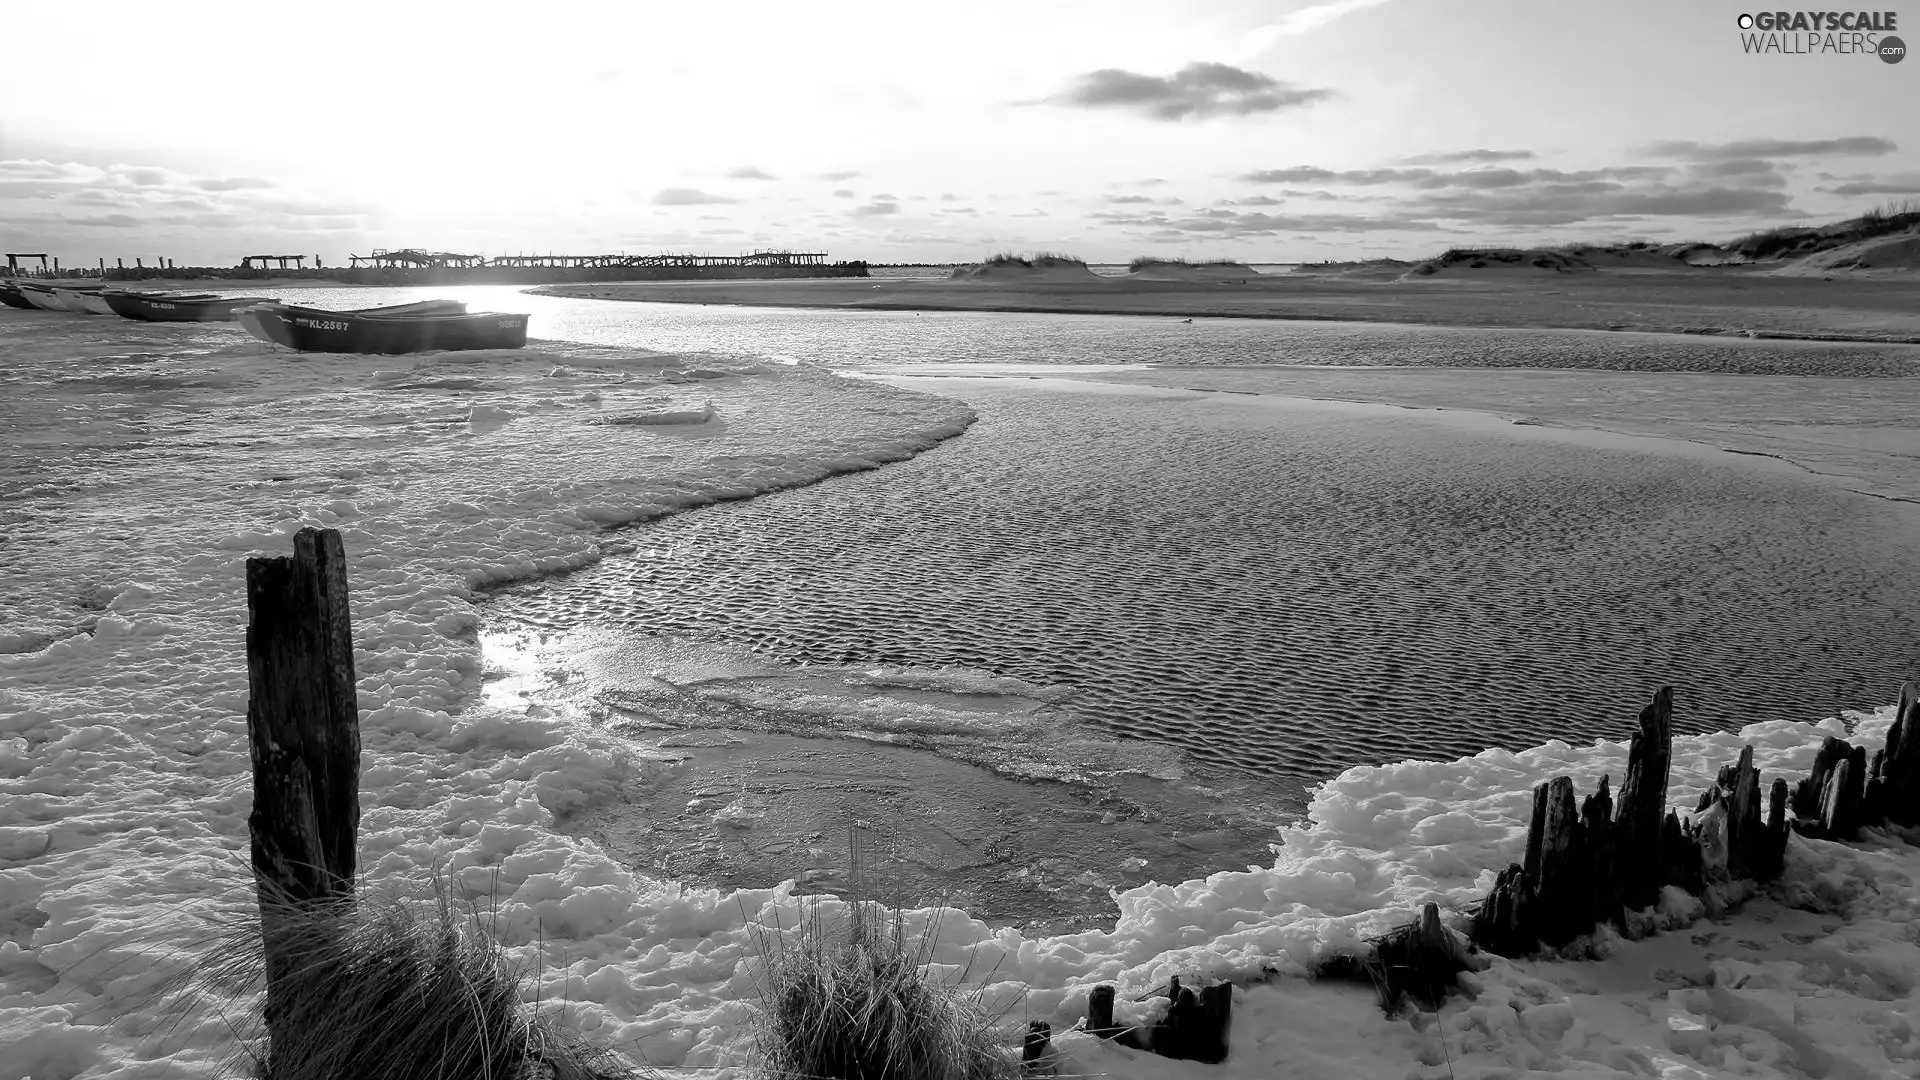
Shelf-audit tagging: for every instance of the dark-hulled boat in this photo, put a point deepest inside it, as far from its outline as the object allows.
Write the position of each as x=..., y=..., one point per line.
x=179, y=307
x=280, y=331
x=311, y=330
x=11, y=296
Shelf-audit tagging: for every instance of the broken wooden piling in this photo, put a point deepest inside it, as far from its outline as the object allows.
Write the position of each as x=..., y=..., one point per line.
x=1195, y=1028
x=1582, y=871
x=303, y=726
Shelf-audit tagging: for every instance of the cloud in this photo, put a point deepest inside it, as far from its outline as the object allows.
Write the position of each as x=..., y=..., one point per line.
x=232, y=183
x=844, y=193
x=1307, y=174
x=1901, y=184
x=1035, y=212
x=1470, y=178
x=106, y=221
x=1753, y=172
x=1198, y=91
x=749, y=172
x=1477, y=157
x=1714, y=186
x=679, y=196
x=41, y=169
x=878, y=206
x=1255, y=200
x=1566, y=204
x=1862, y=145
x=142, y=176
x=1232, y=224
x=1129, y=198
x=844, y=174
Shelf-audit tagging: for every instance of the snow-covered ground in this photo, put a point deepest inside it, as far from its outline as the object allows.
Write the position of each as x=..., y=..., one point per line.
x=142, y=472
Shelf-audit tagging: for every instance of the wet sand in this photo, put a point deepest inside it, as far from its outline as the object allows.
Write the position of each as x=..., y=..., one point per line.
x=1735, y=302
x=1858, y=436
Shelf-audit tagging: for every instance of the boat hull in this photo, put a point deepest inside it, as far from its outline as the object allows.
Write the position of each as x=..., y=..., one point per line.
x=41, y=297
x=174, y=308
x=346, y=332
x=10, y=295
x=83, y=301
x=280, y=331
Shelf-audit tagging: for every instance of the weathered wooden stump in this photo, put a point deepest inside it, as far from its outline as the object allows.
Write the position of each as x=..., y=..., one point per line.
x=1639, y=825
x=1034, y=1049
x=1900, y=771
x=1584, y=870
x=1195, y=1028
x=1421, y=960
x=303, y=726
x=1196, y=1025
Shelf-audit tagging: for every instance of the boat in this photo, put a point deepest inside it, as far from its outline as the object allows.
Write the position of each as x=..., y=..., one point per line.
x=250, y=320
x=311, y=330
x=179, y=307
x=10, y=295
x=83, y=299
x=41, y=296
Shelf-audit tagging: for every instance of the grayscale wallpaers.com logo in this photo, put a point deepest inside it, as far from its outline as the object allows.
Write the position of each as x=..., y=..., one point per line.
x=1809, y=33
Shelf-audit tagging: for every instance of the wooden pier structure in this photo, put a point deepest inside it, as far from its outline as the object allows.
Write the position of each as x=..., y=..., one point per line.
x=418, y=266
x=13, y=263
x=299, y=261
x=419, y=259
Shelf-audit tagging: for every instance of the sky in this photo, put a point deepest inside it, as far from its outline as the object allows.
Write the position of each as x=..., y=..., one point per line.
x=906, y=132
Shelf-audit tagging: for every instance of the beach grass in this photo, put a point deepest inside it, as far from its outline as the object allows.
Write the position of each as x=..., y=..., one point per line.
x=1143, y=262
x=1039, y=260
x=847, y=993
x=389, y=986
x=1897, y=215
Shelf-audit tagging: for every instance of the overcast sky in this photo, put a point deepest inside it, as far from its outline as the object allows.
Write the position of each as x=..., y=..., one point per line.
x=904, y=131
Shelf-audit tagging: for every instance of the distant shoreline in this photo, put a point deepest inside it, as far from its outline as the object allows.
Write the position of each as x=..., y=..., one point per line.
x=1736, y=304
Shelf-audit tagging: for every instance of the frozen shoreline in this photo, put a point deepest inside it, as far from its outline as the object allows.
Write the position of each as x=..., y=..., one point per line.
x=202, y=453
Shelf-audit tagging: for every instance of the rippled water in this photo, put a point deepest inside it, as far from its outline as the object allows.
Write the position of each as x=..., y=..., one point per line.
x=1282, y=591
x=1276, y=599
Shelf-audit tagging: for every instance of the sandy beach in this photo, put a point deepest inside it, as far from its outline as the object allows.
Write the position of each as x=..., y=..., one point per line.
x=1731, y=301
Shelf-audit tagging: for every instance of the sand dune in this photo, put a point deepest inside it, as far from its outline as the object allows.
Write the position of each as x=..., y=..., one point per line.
x=1042, y=267
x=1897, y=253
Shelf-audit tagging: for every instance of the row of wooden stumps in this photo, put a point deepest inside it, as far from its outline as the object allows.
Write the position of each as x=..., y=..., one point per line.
x=303, y=725
x=1195, y=1027
x=1593, y=863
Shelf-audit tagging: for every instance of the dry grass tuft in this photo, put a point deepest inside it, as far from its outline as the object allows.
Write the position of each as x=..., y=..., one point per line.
x=390, y=987
x=849, y=998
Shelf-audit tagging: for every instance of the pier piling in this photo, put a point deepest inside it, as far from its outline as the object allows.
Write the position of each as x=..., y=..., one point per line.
x=304, y=729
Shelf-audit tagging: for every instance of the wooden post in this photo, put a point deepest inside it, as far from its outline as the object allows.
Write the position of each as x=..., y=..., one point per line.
x=1034, y=1048
x=304, y=728
x=1638, y=822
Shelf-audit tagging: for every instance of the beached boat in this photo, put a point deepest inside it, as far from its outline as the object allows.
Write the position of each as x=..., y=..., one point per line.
x=279, y=331
x=41, y=296
x=10, y=296
x=179, y=307
x=347, y=332
x=83, y=299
